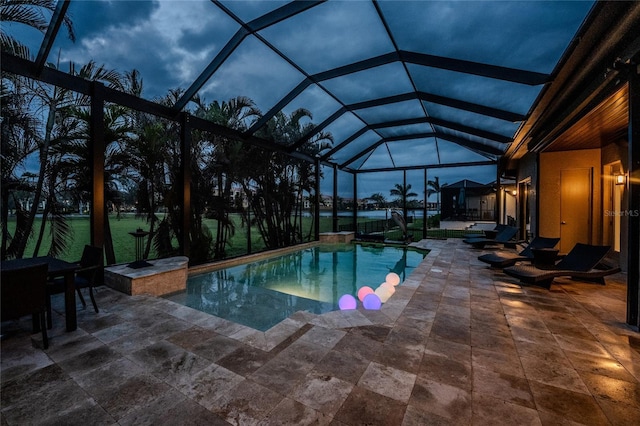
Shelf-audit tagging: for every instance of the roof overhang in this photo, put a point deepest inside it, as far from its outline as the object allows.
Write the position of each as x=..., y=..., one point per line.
x=588, y=85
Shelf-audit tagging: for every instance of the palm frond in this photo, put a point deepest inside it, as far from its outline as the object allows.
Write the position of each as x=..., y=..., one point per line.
x=60, y=230
x=11, y=45
x=22, y=12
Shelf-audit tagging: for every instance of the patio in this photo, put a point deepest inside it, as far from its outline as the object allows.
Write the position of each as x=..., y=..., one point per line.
x=458, y=343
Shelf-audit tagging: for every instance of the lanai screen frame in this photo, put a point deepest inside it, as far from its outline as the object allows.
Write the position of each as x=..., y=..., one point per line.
x=100, y=94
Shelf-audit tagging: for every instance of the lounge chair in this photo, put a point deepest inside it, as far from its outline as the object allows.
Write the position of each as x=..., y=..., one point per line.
x=502, y=260
x=582, y=262
x=375, y=238
x=484, y=234
x=503, y=236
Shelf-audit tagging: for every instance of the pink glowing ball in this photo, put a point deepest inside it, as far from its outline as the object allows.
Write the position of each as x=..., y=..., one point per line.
x=372, y=301
x=392, y=278
x=347, y=302
x=364, y=290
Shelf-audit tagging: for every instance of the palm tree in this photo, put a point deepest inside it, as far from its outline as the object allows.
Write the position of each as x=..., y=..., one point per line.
x=75, y=160
x=219, y=160
x=19, y=139
x=30, y=13
x=19, y=117
x=280, y=181
x=433, y=187
x=55, y=105
x=403, y=193
x=379, y=199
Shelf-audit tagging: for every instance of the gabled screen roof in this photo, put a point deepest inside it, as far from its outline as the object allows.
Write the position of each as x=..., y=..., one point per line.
x=399, y=84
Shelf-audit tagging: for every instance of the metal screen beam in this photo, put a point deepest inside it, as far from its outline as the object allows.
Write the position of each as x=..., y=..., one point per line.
x=471, y=144
x=278, y=107
x=362, y=153
x=472, y=107
x=213, y=66
x=52, y=31
x=262, y=22
x=185, y=177
x=476, y=68
x=98, y=214
x=467, y=106
x=320, y=127
x=633, y=188
x=450, y=64
x=448, y=124
x=280, y=14
x=429, y=166
x=344, y=143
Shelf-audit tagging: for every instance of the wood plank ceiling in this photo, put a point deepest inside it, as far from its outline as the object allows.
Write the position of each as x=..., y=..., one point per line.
x=605, y=124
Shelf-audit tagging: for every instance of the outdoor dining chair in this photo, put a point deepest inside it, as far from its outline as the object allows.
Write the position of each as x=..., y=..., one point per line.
x=90, y=265
x=24, y=292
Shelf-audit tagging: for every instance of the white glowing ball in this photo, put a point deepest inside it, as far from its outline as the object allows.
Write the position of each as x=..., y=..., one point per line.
x=364, y=290
x=347, y=302
x=389, y=287
x=392, y=278
x=383, y=292
x=372, y=301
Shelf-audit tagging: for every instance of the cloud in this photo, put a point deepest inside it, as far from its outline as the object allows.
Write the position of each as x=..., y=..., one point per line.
x=169, y=42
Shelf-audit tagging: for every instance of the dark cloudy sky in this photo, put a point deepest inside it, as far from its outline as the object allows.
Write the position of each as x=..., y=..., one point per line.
x=171, y=43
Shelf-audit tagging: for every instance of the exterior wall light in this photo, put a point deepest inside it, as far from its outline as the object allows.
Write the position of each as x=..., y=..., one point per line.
x=620, y=179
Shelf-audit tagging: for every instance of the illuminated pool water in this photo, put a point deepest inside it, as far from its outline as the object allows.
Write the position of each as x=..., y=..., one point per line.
x=263, y=293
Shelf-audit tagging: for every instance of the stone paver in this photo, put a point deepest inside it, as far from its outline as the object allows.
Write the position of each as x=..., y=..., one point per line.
x=460, y=344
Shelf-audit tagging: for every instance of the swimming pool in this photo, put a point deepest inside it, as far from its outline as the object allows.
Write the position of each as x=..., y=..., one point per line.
x=262, y=293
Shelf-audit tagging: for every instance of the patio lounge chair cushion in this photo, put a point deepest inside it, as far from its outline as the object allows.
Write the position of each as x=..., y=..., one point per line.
x=504, y=259
x=497, y=228
x=503, y=236
x=582, y=262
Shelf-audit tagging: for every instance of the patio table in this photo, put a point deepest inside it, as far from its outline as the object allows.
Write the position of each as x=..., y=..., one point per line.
x=56, y=268
x=545, y=258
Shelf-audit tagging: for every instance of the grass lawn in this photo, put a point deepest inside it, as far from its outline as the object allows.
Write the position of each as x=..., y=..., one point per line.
x=124, y=244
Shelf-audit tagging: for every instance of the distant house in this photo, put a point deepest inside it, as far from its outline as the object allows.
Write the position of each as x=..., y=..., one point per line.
x=468, y=200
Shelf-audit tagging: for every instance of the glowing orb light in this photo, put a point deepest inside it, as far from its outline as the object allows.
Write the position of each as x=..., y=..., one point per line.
x=389, y=287
x=383, y=292
x=346, y=302
x=393, y=278
x=364, y=290
x=372, y=301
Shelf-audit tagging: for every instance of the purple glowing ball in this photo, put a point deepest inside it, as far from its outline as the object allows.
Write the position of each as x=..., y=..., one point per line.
x=372, y=301
x=347, y=302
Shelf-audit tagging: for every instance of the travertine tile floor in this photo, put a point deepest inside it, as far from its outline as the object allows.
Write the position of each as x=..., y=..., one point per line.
x=458, y=343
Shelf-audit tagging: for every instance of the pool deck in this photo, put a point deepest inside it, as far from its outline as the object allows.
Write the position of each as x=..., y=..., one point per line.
x=458, y=343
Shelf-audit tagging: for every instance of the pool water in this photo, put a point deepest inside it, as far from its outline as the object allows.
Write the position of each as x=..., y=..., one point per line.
x=262, y=293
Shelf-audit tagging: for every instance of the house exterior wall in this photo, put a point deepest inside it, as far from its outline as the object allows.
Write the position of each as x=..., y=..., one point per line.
x=619, y=151
x=528, y=168
x=551, y=164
